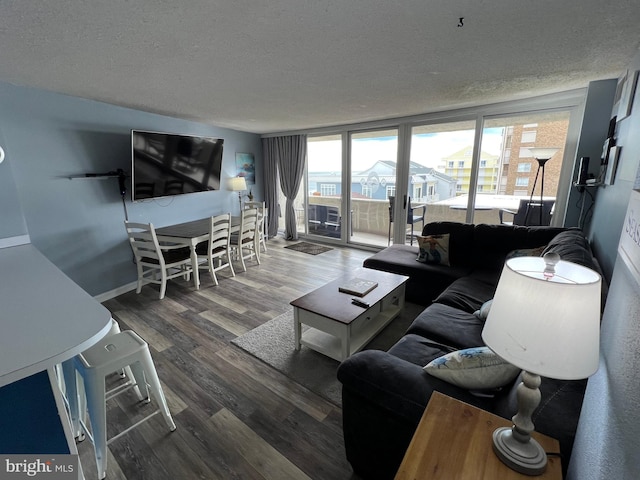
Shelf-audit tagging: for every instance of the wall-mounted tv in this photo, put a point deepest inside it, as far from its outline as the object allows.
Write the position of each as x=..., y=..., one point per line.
x=165, y=164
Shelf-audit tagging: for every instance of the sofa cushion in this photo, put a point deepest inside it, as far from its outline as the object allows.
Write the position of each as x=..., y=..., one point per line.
x=476, y=368
x=418, y=350
x=572, y=246
x=448, y=326
x=492, y=243
x=434, y=249
x=468, y=293
x=426, y=281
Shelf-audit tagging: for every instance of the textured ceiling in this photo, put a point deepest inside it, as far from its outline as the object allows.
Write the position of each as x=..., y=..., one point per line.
x=294, y=64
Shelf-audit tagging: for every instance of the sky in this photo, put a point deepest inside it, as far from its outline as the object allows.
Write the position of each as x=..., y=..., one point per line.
x=426, y=149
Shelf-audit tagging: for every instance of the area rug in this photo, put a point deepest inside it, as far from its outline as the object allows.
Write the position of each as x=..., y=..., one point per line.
x=310, y=248
x=273, y=343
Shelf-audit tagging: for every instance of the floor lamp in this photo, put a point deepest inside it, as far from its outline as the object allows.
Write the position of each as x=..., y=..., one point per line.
x=542, y=155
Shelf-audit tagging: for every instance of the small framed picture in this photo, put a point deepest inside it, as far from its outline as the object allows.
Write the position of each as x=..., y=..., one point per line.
x=246, y=167
x=612, y=165
x=606, y=148
x=625, y=92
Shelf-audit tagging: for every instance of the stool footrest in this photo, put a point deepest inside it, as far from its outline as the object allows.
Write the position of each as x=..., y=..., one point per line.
x=114, y=392
x=125, y=431
x=115, y=437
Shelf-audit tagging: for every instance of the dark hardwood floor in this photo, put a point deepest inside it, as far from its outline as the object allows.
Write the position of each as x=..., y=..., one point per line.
x=236, y=417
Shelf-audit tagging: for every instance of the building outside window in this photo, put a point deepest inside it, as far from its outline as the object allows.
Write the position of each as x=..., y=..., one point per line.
x=391, y=191
x=529, y=136
x=522, y=182
x=327, y=190
x=524, y=167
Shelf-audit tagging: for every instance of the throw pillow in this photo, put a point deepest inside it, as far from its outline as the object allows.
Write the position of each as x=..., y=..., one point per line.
x=434, y=249
x=483, y=312
x=526, y=252
x=477, y=368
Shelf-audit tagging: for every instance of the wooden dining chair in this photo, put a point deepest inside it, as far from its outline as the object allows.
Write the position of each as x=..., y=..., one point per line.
x=245, y=243
x=262, y=218
x=153, y=260
x=216, y=251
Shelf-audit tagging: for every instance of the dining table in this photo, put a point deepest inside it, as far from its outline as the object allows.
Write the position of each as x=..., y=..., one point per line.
x=190, y=234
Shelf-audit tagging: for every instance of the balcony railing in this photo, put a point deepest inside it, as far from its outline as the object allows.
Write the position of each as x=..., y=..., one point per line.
x=369, y=218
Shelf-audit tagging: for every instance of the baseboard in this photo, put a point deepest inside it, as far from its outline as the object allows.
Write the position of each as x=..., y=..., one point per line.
x=14, y=241
x=103, y=297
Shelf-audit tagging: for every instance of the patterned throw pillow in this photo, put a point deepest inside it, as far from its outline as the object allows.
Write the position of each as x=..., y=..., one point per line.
x=434, y=249
x=483, y=312
x=477, y=368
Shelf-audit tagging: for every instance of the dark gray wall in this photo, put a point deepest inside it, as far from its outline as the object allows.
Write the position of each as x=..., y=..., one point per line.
x=607, y=444
x=593, y=132
x=611, y=203
x=78, y=224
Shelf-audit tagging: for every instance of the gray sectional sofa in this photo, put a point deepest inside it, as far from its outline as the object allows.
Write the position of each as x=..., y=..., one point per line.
x=385, y=393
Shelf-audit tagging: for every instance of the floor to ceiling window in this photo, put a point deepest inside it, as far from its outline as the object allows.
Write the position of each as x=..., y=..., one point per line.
x=487, y=185
x=509, y=186
x=470, y=166
x=319, y=201
x=441, y=159
x=374, y=157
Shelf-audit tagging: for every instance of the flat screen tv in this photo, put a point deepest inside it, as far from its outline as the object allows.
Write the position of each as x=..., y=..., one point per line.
x=165, y=164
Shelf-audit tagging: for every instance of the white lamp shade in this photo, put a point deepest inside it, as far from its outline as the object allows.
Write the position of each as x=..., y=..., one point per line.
x=546, y=326
x=543, y=153
x=237, y=184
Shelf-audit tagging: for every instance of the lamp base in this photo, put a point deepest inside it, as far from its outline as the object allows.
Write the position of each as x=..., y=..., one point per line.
x=528, y=458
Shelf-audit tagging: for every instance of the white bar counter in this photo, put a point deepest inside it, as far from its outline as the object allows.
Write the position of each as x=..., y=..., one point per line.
x=45, y=317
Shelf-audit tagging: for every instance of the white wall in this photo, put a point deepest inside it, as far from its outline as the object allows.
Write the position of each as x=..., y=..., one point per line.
x=12, y=222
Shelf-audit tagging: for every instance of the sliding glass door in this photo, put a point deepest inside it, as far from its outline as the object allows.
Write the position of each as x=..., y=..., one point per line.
x=372, y=177
x=320, y=212
x=441, y=162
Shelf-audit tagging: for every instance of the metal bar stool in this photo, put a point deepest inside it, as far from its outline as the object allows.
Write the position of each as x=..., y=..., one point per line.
x=113, y=354
x=72, y=388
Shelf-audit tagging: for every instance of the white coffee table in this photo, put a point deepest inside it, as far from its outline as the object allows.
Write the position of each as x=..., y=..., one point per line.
x=339, y=328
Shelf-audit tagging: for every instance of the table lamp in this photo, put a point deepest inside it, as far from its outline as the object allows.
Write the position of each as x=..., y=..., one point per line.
x=238, y=184
x=545, y=319
x=542, y=155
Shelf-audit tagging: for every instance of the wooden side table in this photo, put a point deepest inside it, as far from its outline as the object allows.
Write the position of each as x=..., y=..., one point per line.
x=454, y=442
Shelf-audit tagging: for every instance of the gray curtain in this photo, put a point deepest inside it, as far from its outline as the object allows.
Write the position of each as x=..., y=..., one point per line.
x=290, y=154
x=270, y=179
